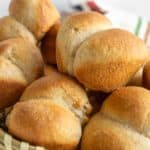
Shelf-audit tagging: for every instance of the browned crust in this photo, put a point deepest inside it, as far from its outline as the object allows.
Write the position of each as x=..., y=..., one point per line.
x=62, y=90
x=122, y=123
x=129, y=105
x=109, y=59
x=104, y=134
x=48, y=44
x=146, y=75
x=106, y=77
x=37, y=16
x=55, y=127
x=59, y=60
x=10, y=92
x=80, y=20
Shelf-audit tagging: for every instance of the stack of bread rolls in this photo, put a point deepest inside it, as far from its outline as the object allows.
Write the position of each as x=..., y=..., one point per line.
x=84, y=97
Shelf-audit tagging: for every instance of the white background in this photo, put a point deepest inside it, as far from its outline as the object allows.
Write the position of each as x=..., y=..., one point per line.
x=139, y=7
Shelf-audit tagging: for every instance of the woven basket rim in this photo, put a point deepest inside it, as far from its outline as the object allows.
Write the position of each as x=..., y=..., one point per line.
x=8, y=142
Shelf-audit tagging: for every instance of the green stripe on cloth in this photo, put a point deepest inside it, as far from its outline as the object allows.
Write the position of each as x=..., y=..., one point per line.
x=138, y=26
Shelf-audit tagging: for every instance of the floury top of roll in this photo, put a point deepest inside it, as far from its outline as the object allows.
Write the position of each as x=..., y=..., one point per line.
x=100, y=57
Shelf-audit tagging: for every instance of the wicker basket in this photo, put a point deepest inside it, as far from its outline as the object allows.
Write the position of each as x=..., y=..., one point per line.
x=7, y=142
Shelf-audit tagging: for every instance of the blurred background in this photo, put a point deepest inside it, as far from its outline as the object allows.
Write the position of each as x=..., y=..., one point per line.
x=139, y=7
x=133, y=15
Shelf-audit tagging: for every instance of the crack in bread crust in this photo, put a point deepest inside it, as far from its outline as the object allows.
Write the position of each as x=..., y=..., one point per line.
x=12, y=59
x=8, y=59
x=80, y=114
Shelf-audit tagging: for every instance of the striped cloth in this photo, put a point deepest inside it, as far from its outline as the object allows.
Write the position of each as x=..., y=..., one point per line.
x=121, y=19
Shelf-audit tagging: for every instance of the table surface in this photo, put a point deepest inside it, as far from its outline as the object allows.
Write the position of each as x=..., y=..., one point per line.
x=139, y=7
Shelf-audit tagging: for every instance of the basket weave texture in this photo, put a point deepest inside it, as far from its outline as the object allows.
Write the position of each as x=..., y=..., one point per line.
x=8, y=142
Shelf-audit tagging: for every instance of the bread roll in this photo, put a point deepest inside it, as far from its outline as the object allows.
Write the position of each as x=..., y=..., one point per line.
x=48, y=44
x=109, y=59
x=17, y=68
x=61, y=90
x=38, y=16
x=146, y=75
x=46, y=124
x=122, y=123
x=11, y=28
x=73, y=31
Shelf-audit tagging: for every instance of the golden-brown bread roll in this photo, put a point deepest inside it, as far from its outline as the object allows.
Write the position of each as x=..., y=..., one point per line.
x=109, y=59
x=137, y=79
x=11, y=28
x=122, y=123
x=73, y=31
x=146, y=75
x=62, y=90
x=48, y=44
x=17, y=68
x=38, y=16
x=46, y=124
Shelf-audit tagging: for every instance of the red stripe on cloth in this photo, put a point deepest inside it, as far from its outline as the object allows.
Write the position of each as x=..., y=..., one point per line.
x=93, y=6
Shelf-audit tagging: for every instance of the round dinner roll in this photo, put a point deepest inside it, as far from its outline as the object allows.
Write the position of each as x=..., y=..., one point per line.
x=11, y=28
x=17, y=68
x=38, y=16
x=123, y=122
x=48, y=44
x=109, y=59
x=44, y=123
x=62, y=90
x=146, y=75
x=74, y=30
